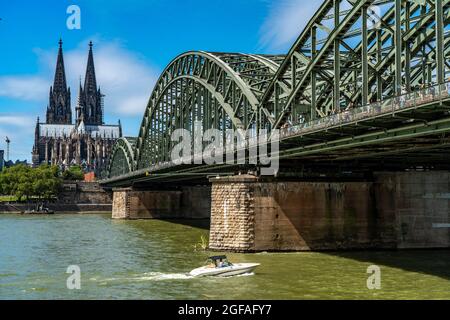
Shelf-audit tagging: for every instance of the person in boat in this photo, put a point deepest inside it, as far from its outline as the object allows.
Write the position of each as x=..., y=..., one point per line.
x=223, y=263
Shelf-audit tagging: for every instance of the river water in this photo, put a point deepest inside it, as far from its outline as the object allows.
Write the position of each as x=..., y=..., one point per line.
x=149, y=260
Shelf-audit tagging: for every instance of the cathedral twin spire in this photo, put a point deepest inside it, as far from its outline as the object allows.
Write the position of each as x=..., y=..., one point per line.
x=90, y=82
x=90, y=97
x=59, y=83
x=89, y=106
x=58, y=109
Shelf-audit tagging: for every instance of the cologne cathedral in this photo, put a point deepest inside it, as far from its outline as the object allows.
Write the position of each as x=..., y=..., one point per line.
x=87, y=142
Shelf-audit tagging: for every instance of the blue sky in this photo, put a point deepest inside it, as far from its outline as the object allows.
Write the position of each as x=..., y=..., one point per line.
x=133, y=41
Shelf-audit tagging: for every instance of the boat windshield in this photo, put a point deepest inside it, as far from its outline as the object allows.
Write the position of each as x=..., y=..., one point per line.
x=219, y=262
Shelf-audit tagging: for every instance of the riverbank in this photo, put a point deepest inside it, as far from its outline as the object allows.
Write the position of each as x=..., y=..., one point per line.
x=75, y=197
x=58, y=207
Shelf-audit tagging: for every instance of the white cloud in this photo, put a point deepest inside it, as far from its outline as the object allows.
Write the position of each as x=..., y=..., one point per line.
x=19, y=129
x=135, y=105
x=19, y=121
x=28, y=88
x=123, y=76
x=285, y=22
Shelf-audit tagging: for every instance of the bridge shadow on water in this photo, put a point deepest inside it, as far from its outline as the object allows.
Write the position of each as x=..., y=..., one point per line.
x=335, y=221
x=434, y=262
x=194, y=223
x=203, y=224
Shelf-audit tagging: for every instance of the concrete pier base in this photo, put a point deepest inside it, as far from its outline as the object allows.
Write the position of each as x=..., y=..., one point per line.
x=188, y=203
x=420, y=205
x=395, y=210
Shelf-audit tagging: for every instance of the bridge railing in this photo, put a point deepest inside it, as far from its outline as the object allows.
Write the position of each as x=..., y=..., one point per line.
x=405, y=101
x=409, y=100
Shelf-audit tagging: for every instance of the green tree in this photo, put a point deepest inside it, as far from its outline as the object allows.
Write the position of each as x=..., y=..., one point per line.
x=74, y=173
x=16, y=181
x=22, y=182
x=46, y=182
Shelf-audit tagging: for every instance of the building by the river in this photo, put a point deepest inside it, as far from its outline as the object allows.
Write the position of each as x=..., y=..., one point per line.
x=2, y=159
x=88, y=141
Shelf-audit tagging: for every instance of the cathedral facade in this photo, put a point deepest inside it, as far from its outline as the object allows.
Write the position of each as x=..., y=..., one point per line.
x=87, y=141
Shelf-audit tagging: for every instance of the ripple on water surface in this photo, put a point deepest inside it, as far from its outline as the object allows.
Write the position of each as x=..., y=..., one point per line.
x=151, y=259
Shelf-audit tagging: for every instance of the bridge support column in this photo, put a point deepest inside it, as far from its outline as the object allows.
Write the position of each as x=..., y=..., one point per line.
x=420, y=203
x=121, y=205
x=233, y=214
x=186, y=203
x=248, y=214
x=137, y=204
x=395, y=210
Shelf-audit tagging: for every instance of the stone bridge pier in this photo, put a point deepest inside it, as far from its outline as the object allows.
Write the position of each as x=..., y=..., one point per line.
x=186, y=203
x=394, y=210
x=391, y=211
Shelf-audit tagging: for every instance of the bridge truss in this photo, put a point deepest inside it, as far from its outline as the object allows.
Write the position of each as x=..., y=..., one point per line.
x=352, y=56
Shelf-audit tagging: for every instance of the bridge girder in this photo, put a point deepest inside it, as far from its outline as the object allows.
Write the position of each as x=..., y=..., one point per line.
x=221, y=90
x=354, y=52
x=122, y=159
x=349, y=54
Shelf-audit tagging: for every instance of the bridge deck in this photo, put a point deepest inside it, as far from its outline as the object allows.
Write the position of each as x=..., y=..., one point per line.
x=406, y=129
x=363, y=129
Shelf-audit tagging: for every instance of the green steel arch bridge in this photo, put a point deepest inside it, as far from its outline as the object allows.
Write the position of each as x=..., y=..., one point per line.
x=364, y=87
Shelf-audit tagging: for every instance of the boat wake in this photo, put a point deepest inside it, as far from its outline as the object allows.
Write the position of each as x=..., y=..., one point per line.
x=157, y=276
x=248, y=274
x=149, y=276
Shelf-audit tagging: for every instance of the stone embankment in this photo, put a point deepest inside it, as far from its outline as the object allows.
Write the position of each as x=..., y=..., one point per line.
x=80, y=197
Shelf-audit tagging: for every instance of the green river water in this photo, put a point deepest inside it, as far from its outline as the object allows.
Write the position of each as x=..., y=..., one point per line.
x=149, y=260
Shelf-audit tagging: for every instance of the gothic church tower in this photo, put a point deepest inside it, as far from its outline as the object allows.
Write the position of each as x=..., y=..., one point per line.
x=58, y=109
x=90, y=97
x=88, y=142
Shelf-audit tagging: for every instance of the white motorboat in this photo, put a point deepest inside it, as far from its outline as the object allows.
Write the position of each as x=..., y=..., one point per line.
x=219, y=266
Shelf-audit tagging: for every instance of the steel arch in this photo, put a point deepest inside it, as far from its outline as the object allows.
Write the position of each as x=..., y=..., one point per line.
x=351, y=53
x=222, y=90
x=341, y=61
x=122, y=159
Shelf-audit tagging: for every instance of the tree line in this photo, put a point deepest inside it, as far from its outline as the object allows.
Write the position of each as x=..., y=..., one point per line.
x=43, y=182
